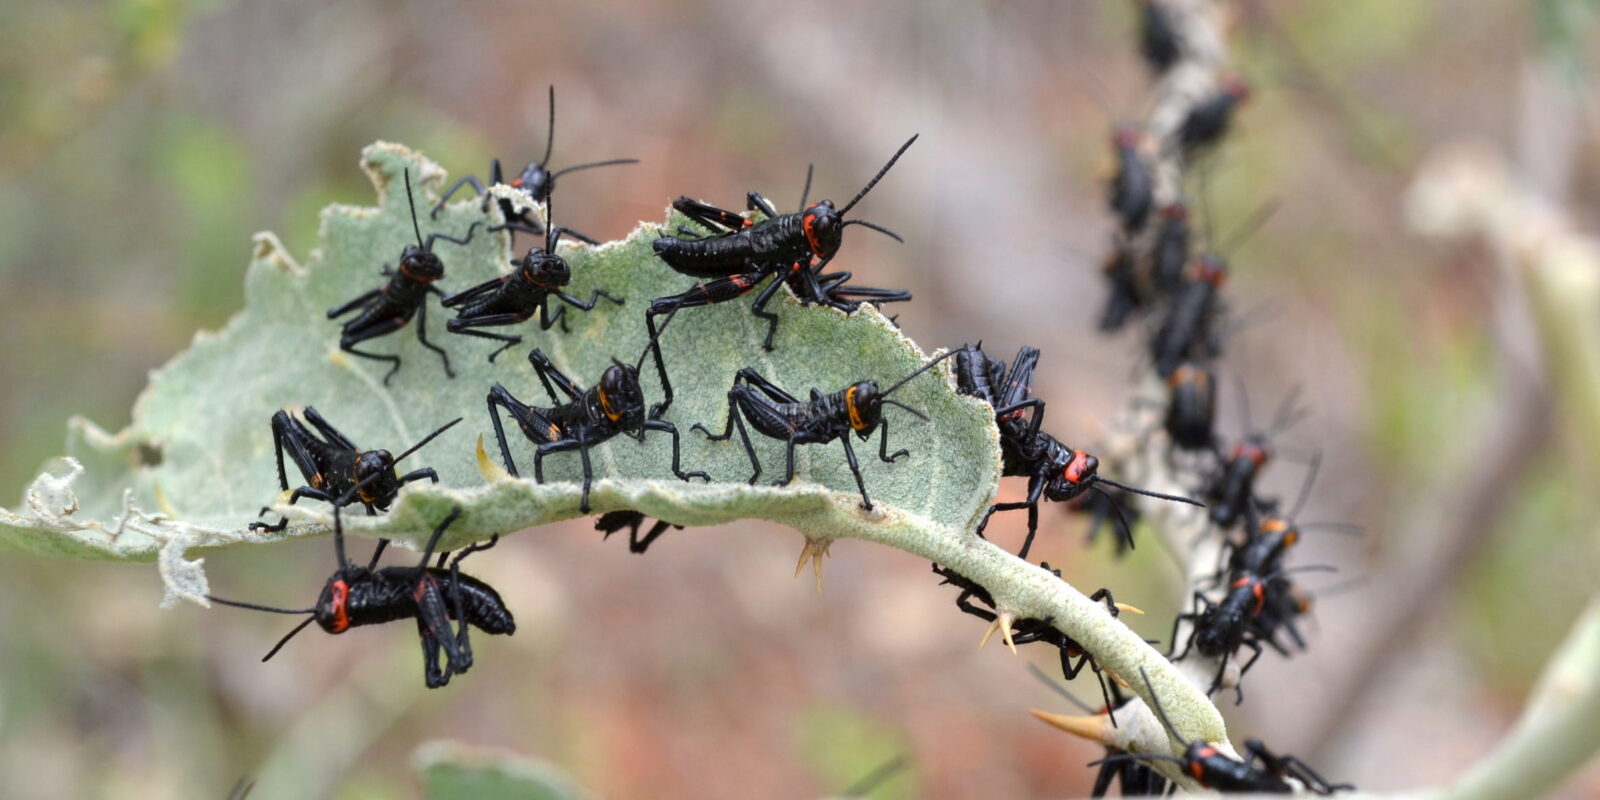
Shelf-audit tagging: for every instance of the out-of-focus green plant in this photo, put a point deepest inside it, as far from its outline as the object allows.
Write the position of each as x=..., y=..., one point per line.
x=61, y=63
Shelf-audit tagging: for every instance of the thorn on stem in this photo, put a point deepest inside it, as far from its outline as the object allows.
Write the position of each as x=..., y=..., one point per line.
x=813, y=552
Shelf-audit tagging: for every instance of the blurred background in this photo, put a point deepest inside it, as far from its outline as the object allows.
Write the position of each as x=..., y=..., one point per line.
x=143, y=141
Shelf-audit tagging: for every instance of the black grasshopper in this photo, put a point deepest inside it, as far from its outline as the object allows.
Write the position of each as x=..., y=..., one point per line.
x=433, y=596
x=1261, y=771
x=583, y=419
x=810, y=286
x=1158, y=37
x=1124, y=297
x=1132, y=187
x=1136, y=283
x=1170, y=250
x=1233, y=488
x=1262, y=554
x=1249, y=615
x=1054, y=471
x=1060, y=474
x=388, y=308
x=334, y=469
x=1026, y=631
x=1191, y=413
x=615, y=521
x=1221, y=628
x=512, y=299
x=536, y=178
x=1007, y=391
x=1209, y=120
x=775, y=413
x=1269, y=534
x=739, y=254
x=1231, y=491
x=1190, y=328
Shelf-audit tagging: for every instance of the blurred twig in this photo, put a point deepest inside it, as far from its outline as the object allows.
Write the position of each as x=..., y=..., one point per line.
x=1557, y=732
x=1467, y=191
x=1431, y=569
x=1470, y=191
x=1555, y=736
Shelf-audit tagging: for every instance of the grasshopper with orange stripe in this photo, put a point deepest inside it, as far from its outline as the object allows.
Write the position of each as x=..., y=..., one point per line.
x=857, y=408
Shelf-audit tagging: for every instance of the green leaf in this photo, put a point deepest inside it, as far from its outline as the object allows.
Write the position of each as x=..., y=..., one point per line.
x=451, y=771
x=197, y=462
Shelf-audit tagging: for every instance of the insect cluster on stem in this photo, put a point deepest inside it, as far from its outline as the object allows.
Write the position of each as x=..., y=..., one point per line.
x=1159, y=275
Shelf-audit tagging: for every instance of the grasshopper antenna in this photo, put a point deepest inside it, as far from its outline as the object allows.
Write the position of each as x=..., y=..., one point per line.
x=286, y=638
x=1097, y=91
x=805, y=194
x=898, y=404
x=309, y=612
x=1305, y=488
x=1160, y=712
x=591, y=165
x=1244, y=402
x=1147, y=493
x=1287, y=415
x=919, y=371
x=874, y=226
x=550, y=133
x=1291, y=570
x=878, y=177
x=550, y=223
x=1116, y=508
x=1060, y=690
x=254, y=607
x=241, y=790
x=430, y=437
x=1251, y=224
x=412, y=201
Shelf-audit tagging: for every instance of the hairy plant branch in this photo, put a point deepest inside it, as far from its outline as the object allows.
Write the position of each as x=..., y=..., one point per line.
x=1476, y=495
